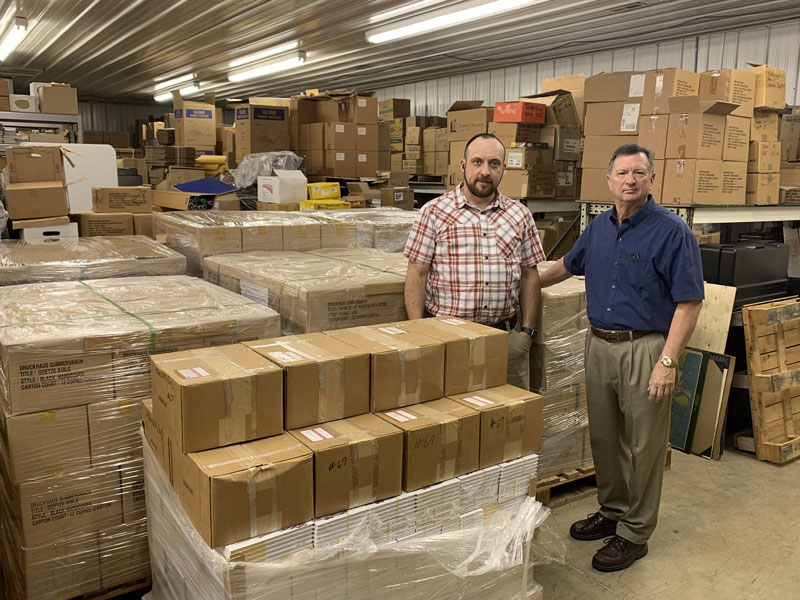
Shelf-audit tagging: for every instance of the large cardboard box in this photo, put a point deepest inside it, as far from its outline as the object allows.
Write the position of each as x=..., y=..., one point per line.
x=764, y=157
x=124, y=554
x=466, y=118
x=621, y=86
x=730, y=85
x=394, y=108
x=102, y=223
x=509, y=134
x=559, y=107
x=734, y=182
x=367, y=138
x=762, y=189
x=442, y=441
x=770, y=86
x=367, y=164
x=406, y=367
x=612, y=118
x=213, y=397
x=245, y=490
x=68, y=568
x=519, y=112
x=598, y=149
x=285, y=187
x=58, y=99
x=455, y=174
x=441, y=162
x=361, y=109
x=764, y=126
x=565, y=140
x=34, y=163
x=660, y=84
x=357, y=461
x=511, y=422
x=330, y=110
x=36, y=200
x=339, y=136
x=132, y=199
x=696, y=129
x=195, y=124
x=341, y=163
x=790, y=137
x=692, y=181
x=575, y=84
x=324, y=380
x=735, y=146
x=536, y=183
x=261, y=129
x=653, y=134
x=527, y=158
x=114, y=433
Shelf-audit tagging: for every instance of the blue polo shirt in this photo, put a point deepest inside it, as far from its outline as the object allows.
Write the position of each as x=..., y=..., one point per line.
x=638, y=270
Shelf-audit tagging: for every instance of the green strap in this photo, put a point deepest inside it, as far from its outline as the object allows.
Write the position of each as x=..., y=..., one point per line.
x=150, y=328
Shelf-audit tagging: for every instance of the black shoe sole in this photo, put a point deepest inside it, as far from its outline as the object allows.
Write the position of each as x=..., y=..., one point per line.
x=621, y=566
x=590, y=538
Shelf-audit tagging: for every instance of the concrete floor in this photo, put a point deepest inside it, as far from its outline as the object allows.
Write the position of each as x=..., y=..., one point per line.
x=727, y=529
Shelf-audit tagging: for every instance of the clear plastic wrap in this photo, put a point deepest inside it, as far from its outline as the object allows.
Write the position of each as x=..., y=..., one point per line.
x=489, y=560
x=264, y=164
x=383, y=228
x=314, y=292
x=74, y=360
x=86, y=258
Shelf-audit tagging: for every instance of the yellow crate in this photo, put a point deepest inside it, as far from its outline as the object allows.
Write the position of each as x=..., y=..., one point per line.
x=323, y=190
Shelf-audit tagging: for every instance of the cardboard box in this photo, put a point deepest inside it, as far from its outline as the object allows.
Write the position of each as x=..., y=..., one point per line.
x=341, y=163
x=261, y=129
x=730, y=85
x=734, y=182
x=53, y=233
x=565, y=140
x=339, y=136
x=519, y=112
x=612, y=118
x=457, y=151
x=566, y=179
x=559, y=107
x=315, y=162
x=511, y=423
x=574, y=84
x=357, y=461
x=68, y=568
x=114, y=432
x=441, y=161
x=789, y=195
x=414, y=166
x=621, y=86
x=770, y=86
x=6, y=87
x=526, y=158
x=23, y=103
x=466, y=118
x=455, y=174
x=321, y=190
x=691, y=181
x=36, y=200
x=289, y=187
x=594, y=185
x=213, y=397
x=367, y=138
x=597, y=150
x=790, y=174
x=28, y=164
x=536, y=183
x=396, y=161
x=325, y=204
x=311, y=136
x=708, y=238
x=762, y=189
x=361, y=109
x=660, y=84
x=58, y=99
x=324, y=380
x=697, y=129
x=790, y=137
x=394, y=108
x=241, y=491
x=407, y=367
x=102, y=223
x=398, y=197
x=48, y=222
x=429, y=138
x=396, y=129
x=735, y=146
x=511, y=133
x=330, y=110
x=413, y=135
x=429, y=160
x=124, y=554
x=764, y=126
x=132, y=199
x=764, y=157
x=653, y=134
x=367, y=165
x=441, y=441
x=195, y=124
x=156, y=436
x=475, y=355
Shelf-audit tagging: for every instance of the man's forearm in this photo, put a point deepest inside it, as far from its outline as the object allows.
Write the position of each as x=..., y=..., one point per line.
x=414, y=293
x=530, y=297
x=680, y=330
x=555, y=274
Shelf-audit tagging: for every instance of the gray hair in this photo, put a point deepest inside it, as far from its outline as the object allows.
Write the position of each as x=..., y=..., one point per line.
x=630, y=150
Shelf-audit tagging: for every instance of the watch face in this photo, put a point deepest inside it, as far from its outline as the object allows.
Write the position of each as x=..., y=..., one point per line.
x=666, y=361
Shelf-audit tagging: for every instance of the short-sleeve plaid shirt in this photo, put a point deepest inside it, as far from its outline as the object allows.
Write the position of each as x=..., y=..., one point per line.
x=475, y=256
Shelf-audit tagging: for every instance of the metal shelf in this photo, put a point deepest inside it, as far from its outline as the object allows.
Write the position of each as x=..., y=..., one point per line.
x=551, y=205
x=20, y=119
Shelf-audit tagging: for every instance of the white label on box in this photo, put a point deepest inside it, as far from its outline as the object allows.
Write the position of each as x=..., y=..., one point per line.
x=630, y=117
x=515, y=159
x=254, y=292
x=340, y=156
x=339, y=128
x=563, y=179
x=362, y=131
x=193, y=373
x=454, y=321
x=572, y=145
x=287, y=356
x=398, y=197
x=362, y=102
x=400, y=415
x=362, y=158
x=478, y=401
x=323, y=433
x=391, y=330
x=636, y=88
x=317, y=435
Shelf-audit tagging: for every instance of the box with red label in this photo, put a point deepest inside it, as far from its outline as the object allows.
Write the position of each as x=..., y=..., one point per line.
x=519, y=112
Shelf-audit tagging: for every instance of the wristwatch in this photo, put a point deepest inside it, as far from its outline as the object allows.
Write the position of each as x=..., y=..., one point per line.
x=531, y=332
x=667, y=362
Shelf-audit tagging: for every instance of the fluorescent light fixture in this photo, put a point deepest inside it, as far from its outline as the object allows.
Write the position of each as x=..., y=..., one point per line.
x=13, y=37
x=297, y=58
x=443, y=18
x=171, y=83
x=265, y=54
x=184, y=92
x=402, y=10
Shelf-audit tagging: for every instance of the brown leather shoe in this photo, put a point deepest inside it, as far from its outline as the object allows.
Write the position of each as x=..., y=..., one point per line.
x=618, y=554
x=594, y=527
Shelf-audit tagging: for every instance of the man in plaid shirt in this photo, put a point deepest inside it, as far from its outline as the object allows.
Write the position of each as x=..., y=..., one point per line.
x=472, y=254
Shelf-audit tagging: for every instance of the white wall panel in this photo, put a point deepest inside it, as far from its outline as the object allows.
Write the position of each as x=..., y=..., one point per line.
x=645, y=57
x=669, y=54
x=623, y=60
x=528, y=79
x=753, y=45
x=689, y=54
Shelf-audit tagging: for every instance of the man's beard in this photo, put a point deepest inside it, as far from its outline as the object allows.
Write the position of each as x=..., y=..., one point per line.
x=481, y=193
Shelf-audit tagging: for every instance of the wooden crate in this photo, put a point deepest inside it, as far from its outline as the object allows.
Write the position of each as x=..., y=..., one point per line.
x=772, y=333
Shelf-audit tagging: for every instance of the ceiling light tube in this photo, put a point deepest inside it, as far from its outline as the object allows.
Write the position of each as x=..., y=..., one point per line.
x=443, y=18
x=402, y=10
x=184, y=92
x=264, y=54
x=296, y=59
x=13, y=37
x=171, y=83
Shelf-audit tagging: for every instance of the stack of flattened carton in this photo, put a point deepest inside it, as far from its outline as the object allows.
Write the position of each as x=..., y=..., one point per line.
x=383, y=228
x=74, y=364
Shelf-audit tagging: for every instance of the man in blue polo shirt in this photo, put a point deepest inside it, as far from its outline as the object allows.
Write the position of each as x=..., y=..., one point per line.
x=644, y=292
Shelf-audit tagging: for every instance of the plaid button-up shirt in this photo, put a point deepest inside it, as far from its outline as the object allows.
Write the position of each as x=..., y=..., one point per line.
x=475, y=256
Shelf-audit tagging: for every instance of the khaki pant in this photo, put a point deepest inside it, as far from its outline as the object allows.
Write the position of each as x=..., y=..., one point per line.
x=519, y=367
x=628, y=432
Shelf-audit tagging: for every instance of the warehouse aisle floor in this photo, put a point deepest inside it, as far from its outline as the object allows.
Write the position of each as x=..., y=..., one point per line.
x=727, y=529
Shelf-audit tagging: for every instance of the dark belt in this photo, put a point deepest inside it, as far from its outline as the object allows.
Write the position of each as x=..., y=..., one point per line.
x=621, y=336
x=507, y=325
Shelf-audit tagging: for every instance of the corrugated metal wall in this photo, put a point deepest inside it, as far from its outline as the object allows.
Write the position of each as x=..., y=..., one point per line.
x=105, y=116
x=776, y=45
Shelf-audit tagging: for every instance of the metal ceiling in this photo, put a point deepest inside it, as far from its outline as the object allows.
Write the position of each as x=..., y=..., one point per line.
x=118, y=49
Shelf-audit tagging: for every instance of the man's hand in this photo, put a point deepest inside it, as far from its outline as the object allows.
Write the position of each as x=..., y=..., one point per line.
x=662, y=383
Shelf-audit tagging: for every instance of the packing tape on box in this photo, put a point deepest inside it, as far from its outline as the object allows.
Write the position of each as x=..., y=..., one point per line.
x=405, y=353
x=652, y=122
x=715, y=81
x=515, y=430
x=450, y=435
x=262, y=482
x=363, y=444
x=659, y=87
x=479, y=363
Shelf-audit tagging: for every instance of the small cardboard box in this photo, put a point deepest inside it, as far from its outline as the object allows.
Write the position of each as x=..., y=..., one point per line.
x=361, y=109
x=762, y=189
x=406, y=367
x=341, y=163
x=653, y=134
x=770, y=86
x=734, y=182
x=692, y=181
x=399, y=197
x=395, y=127
x=660, y=84
x=528, y=158
x=466, y=118
x=696, y=129
x=429, y=138
x=559, y=107
x=36, y=200
x=367, y=138
x=511, y=423
x=58, y=99
x=357, y=461
x=511, y=133
x=324, y=380
x=565, y=140
x=621, y=86
x=737, y=139
x=114, y=431
x=339, y=136
x=102, y=223
x=598, y=149
x=612, y=118
x=730, y=85
x=789, y=195
x=764, y=157
x=441, y=441
x=764, y=126
x=143, y=225
x=394, y=108
x=566, y=179
x=52, y=233
x=574, y=84
x=286, y=186
x=322, y=190
x=475, y=355
x=212, y=397
x=413, y=135
x=245, y=490
x=519, y=112
x=132, y=199
x=34, y=163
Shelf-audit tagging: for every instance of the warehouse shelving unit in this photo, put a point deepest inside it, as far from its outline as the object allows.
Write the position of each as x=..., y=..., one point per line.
x=21, y=119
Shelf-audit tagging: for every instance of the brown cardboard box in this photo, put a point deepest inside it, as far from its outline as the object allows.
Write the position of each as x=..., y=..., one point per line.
x=708, y=238
x=511, y=423
x=455, y=174
x=58, y=99
x=594, y=186
x=574, y=84
x=413, y=135
x=341, y=163
x=536, y=183
x=407, y=367
x=692, y=181
x=394, y=108
x=143, y=225
x=395, y=127
x=48, y=222
x=114, y=431
x=789, y=136
x=399, y=197
x=396, y=161
x=660, y=84
x=132, y=199
x=789, y=195
x=5, y=105
x=194, y=122
x=790, y=174
x=156, y=437
x=124, y=554
x=621, y=86
x=213, y=397
x=612, y=118
x=241, y=491
x=598, y=149
x=413, y=152
x=511, y=133
x=653, y=134
x=441, y=441
x=457, y=150
x=696, y=129
x=565, y=140
x=734, y=181
x=475, y=355
x=261, y=129
x=762, y=189
x=68, y=568
x=658, y=184
x=441, y=161
x=415, y=166
x=559, y=107
x=102, y=223
x=465, y=118
x=730, y=85
x=384, y=161
x=357, y=461
x=764, y=157
x=737, y=139
x=36, y=200
x=566, y=179
x=330, y=110
x=34, y=163
x=429, y=160
x=315, y=162
x=361, y=109
x=429, y=138
x=312, y=136
x=367, y=138
x=770, y=86
x=324, y=380
x=527, y=158
x=764, y=126
x=367, y=165
x=339, y=136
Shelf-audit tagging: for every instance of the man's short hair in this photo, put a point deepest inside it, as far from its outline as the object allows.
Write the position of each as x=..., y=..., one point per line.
x=483, y=136
x=630, y=150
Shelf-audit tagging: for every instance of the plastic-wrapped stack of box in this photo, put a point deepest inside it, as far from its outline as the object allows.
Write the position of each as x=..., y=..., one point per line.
x=383, y=228
x=73, y=366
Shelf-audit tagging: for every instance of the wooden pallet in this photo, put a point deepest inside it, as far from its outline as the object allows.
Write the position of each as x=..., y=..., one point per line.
x=566, y=487
x=120, y=590
x=772, y=334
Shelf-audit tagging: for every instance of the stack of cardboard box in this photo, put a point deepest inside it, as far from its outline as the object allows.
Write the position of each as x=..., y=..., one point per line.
x=384, y=228
x=261, y=125
x=420, y=147
x=195, y=124
x=117, y=139
x=435, y=147
x=159, y=159
x=392, y=114
x=6, y=89
x=117, y=211
x=764, y=160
